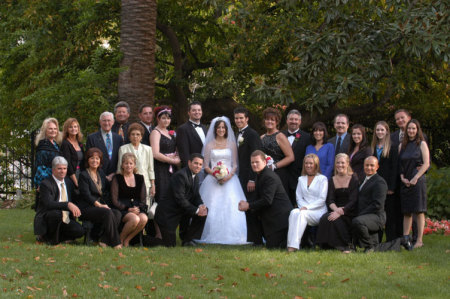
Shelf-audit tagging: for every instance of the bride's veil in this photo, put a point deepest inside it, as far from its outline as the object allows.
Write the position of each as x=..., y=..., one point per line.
x=231, y=143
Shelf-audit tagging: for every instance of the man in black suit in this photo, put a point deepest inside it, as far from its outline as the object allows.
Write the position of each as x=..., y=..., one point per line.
x=371, y=216
x=248, y=141
x=182, y=199
x=108, y=142
x=120, y=126
x=341, y=141
x=191, y=135
x=272, y=202
x=299, y=140
x=54, y=221
x=146, y=119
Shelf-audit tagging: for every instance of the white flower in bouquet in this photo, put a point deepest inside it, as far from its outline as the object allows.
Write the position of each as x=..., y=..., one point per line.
x=220, y=171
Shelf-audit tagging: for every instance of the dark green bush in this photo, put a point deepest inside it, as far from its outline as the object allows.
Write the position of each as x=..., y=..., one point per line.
x=438, y=188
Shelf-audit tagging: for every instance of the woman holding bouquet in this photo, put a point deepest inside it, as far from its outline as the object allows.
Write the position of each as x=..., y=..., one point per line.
x=221, y=190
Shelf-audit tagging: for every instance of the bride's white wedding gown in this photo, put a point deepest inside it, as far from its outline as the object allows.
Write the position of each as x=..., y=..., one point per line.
x=225, y=224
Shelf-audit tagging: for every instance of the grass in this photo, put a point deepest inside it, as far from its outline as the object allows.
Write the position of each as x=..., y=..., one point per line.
x=30, y=270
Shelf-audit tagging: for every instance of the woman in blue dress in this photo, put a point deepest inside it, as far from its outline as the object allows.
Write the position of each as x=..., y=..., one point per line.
x=319, y=147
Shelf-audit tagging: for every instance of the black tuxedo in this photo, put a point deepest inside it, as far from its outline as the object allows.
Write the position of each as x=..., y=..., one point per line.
x=146, y=138
x=182, y=199
x=188, y=141
x=250, y=143
x=345, y=145
x=115, y=128
x=371, y=216
x=96, y=140
x=48, y=219
x=295, y=168
x=69, y=152
x=273, y=207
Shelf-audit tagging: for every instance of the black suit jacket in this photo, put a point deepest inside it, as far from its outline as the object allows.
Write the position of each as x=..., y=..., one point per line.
x=372, y=196
x=357, y=162
x=272, y=202
x=299, y=148
x=69, y=152
x=182, y=198
x=146, y=138
x=251, y=143
x=49, y=200
x=96, y=140
x=115, y=129
x=188, y=141
x=389, y=167
x=89, y=193
x=344, y=146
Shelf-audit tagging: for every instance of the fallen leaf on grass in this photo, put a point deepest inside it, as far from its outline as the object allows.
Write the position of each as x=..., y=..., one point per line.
x=246, y=269
x=298, y=297
x=120, y=267
x=138, y=287
x=168, y=284
x=198, y=250
x=312, y=287
x=122, y=255
x=309, y=271
x=270, y=275
x=193, y=277
x=37, y=258
x=164, y=265
x=215, y=290
x=327, y=274
x=256, y=274
x=345, y=280
x=64, y=292
x=153, y=289
x=234, y=284
x=219, y=277
x=177, y=277
x=390, y=273
x=126, y=273
x=74, y=295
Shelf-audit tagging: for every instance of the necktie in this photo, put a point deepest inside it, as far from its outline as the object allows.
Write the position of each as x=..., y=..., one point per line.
x=65, y=215
x=400, y=136
x=365, y=180
x=338, y=145
x=121, y=132
x=109, y=145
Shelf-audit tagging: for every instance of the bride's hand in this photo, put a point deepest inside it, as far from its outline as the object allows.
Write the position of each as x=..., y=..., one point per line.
x=225, y=179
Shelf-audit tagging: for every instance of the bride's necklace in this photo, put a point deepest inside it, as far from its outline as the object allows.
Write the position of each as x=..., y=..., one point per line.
x=222, y=143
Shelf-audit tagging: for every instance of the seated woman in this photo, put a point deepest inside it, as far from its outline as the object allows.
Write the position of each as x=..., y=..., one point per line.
x=335, y=226
x=311, y=194
x=128, y=194
x=93, y=200
x=324, y=150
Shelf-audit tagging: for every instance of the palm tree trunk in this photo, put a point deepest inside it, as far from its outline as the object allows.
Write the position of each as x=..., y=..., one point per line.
x=138, y=44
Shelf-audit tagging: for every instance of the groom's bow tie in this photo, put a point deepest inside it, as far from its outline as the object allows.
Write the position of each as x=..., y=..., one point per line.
x=241, y=131
x=195, y=125
x=292, y=134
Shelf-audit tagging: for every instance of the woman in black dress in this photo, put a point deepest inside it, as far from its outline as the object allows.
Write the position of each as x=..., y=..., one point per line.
x=387, y=156
x=72, y=149
x=359, y=150
x=277, y=146
x=94, y=198
x=128, y=194
x=335, y=226
x=414, y=160
x=164, y=150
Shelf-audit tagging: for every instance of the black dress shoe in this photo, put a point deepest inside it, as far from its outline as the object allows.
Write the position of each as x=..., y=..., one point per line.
x=189, y=244
x=406, y=242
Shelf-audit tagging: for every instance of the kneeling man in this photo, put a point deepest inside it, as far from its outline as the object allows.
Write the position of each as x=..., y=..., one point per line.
x=182, y=199
x=271, y=202
x=55, y=213
x=371, y=216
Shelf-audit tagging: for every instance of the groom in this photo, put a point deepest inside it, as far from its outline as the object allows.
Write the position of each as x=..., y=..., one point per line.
x=248, y=141
x=183, y=200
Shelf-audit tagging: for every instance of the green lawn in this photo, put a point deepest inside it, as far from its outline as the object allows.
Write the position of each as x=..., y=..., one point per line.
x=39, y=271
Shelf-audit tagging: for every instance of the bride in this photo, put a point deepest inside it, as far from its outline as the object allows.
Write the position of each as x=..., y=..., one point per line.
x=221, y=193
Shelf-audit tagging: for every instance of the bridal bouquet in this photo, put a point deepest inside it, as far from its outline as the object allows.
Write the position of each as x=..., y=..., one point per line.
x=220, y=171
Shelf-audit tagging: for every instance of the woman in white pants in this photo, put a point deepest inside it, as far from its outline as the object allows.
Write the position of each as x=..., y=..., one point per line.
x=311, y=195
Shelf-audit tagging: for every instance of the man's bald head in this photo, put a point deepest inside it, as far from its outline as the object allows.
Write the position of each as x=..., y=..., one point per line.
x=370, y=165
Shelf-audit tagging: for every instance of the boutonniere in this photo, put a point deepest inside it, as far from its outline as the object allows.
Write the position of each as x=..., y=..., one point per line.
x=241, y=140
x=297, y=136
x=172, y=133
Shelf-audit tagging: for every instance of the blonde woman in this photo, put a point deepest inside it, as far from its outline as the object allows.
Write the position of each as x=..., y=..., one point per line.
x=47, y=148
x=335, y=226
x=128, y=194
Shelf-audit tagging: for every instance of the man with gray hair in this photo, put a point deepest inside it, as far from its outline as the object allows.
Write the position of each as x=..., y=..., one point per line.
x=108, y=142
x=122, y=114
x=299, y=140
x=55, y=213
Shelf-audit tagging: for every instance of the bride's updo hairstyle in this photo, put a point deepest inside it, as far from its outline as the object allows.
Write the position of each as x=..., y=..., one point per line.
x=217, y=124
